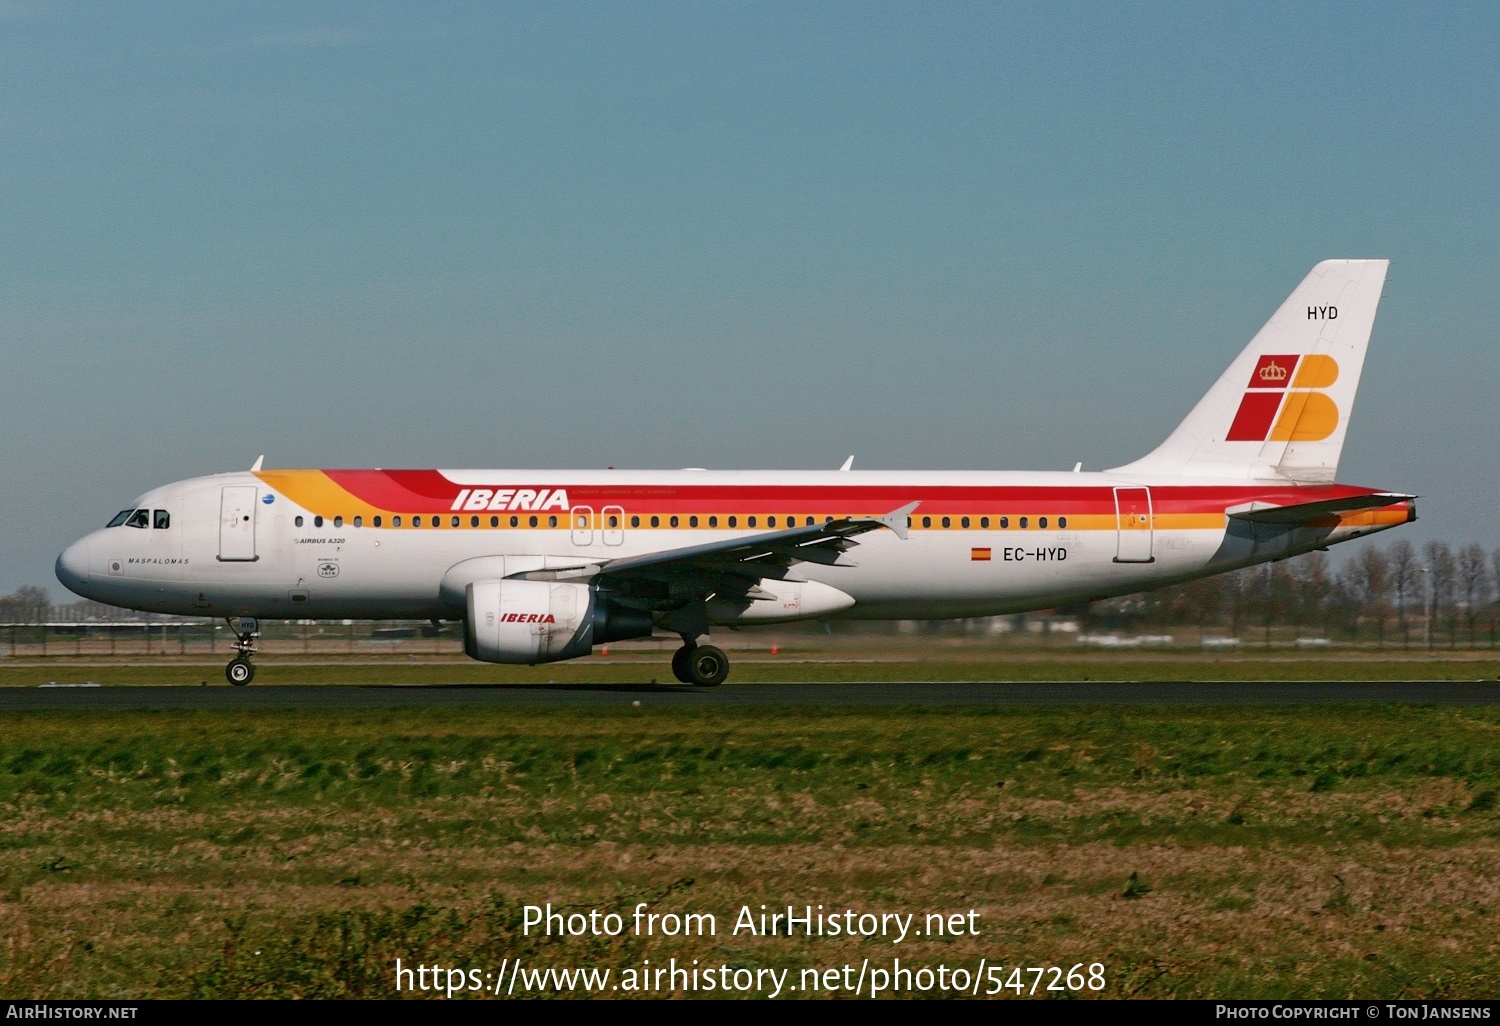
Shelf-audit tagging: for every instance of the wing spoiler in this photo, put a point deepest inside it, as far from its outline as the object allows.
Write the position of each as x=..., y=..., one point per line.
x=769, y=554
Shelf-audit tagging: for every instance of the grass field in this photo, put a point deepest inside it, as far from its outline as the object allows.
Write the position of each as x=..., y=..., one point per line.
x=1195, y=852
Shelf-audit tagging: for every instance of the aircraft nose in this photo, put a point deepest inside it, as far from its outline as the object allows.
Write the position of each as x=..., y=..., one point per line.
x=73, y=566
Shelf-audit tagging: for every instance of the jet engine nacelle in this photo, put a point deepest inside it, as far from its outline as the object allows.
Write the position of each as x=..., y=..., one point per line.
x=510, y=621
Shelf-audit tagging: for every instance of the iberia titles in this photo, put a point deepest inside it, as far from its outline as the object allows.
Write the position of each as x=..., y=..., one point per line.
x=501, y=499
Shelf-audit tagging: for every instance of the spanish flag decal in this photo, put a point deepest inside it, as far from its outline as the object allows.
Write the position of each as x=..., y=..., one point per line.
x=979, y=555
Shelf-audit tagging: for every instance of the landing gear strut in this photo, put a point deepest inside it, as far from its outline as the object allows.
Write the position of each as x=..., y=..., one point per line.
x=241, y=670
x=703, y=665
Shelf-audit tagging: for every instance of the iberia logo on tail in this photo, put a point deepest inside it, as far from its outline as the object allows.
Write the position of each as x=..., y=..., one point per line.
x=1283, y=401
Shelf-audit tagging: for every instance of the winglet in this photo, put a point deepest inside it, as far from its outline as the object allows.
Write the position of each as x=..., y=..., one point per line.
x=255, y=469
x=896, y=518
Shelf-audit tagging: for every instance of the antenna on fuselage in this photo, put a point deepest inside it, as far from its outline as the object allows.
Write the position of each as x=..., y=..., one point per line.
x=849, y=463
x=258, y=461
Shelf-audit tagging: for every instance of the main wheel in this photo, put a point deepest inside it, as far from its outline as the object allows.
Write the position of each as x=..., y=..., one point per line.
x=707, y=666
x=680, y=664
x=240, y=671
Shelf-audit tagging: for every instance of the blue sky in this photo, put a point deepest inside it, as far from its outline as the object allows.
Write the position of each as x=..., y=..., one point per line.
x=726, y=235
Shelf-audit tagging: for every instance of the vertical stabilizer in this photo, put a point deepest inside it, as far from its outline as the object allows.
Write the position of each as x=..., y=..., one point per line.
x=1281, y=409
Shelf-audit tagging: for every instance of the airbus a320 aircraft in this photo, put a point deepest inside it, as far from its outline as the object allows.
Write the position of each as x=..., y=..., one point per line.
x=544, y=565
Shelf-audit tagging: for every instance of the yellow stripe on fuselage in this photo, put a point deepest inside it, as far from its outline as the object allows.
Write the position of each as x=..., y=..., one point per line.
x=317, y=493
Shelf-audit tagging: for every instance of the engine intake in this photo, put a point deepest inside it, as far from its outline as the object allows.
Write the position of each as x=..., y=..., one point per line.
x=531, y=622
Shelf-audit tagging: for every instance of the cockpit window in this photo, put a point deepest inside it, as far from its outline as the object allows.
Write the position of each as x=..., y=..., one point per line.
x=140, y=518
x=120, y=518
x=161, y=519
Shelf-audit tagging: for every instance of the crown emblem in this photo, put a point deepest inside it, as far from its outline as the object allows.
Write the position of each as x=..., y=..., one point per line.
x=1273, y=372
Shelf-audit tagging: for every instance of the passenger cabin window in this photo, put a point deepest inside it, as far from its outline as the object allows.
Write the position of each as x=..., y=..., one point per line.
x=376, y=521
x=120, y=518
x=359, y=521
x=139, y=518
x=317, y=521
x=734, y=522
x=161, y=519
x=1023, y=522
x=298, y=521
x=1041, y=521
x=396, y=521
x=338, y=521
x=673, y=522
x=635, y=521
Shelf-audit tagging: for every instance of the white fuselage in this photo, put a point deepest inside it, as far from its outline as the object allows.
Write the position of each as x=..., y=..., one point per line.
x=280, y=544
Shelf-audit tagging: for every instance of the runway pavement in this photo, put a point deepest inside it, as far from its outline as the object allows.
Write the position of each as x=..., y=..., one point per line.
x=1081, y=693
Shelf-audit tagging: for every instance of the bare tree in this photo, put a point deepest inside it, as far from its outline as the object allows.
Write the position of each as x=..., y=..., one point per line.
x=34, y=602
x=1441, y=570
x=1310, y=588
x=1404, y=572
x=1495, y=569
x=1372, y=577
x=1473, y=582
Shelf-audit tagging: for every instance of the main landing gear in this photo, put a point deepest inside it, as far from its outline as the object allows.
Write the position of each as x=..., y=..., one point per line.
x=703, y=665
x=241, y=670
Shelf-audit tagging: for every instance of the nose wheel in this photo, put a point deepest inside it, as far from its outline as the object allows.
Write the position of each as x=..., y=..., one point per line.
x=241, y=670
x=701, y=665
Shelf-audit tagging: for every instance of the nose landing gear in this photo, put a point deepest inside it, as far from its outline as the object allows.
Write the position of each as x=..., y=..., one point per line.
x=241, y=670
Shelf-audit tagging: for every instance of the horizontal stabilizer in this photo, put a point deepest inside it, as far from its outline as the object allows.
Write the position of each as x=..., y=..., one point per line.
x=1307, y=512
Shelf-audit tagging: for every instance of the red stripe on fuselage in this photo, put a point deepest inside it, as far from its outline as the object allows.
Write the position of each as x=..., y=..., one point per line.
x=428, y=491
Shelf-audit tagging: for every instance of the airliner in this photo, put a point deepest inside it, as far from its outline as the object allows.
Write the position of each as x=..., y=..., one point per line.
x=545, y=565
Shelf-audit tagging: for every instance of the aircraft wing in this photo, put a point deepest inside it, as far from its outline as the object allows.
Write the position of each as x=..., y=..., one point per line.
x=739, y=562
x=1307, y=512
